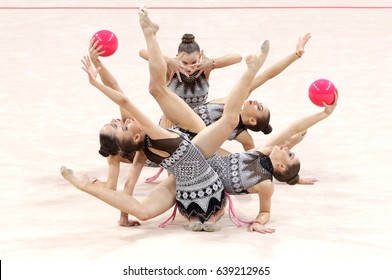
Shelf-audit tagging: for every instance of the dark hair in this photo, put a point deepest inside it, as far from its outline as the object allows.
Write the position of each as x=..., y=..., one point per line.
x=262, y=124
x=290, y=176
x=128, y=148
x=108, y=145
x=188, y=44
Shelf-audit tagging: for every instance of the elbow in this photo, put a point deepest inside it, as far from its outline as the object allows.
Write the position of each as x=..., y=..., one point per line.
x=232, y=121
x=124, y=101
x=114, y=85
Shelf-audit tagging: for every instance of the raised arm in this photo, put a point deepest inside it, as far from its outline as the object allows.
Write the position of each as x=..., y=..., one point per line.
x=281, y=65
x=119, y=98
x=298, y=126
x=206, y=64
x=106, y=77
x=276, y=68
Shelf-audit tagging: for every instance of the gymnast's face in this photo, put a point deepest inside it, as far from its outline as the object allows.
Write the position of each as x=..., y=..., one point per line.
x=112, y=127
x=284, y=155
x=254, y=109
x=131, y=129
x=189, y=61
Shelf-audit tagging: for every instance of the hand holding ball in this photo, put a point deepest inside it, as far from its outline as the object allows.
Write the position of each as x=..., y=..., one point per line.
x=322, y=90
x=107, y=40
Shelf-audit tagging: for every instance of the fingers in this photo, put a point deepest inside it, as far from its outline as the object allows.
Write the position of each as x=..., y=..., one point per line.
x=306, y=37
x=171, y=75
x=95, y=49
x=179, y=76
x=261, y=229
x=307, y=181
x=198, y=74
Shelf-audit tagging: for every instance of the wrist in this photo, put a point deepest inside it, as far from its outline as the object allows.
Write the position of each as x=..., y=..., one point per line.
x=298, y=54
x=213, y=64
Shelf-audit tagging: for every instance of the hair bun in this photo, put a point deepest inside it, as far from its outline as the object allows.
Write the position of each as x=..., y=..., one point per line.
x=128, y=156
x=267, y=129
x=293, y=180
x=188, y=38
x=103, y=153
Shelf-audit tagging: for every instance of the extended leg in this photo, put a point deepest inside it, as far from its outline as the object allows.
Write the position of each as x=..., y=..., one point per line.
x=161, y=199
x=213, y=136
x=174, y=108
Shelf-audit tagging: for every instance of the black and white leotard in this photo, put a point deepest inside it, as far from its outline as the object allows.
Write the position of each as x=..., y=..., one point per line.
x=199, y=191
x=194, y=91
x=211, y=112
x=240, y=171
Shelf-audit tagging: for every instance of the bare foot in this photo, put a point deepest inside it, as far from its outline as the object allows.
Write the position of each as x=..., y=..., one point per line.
x=81, y=182
x=209, y=226
x=195, y=224
x=145, y=22
x=255, y=61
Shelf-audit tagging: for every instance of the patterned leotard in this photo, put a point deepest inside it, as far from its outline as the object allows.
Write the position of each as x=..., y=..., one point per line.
x=199, y=191
x=240, y=171
x=211, y=112
x=194, y=91
x=186, y=133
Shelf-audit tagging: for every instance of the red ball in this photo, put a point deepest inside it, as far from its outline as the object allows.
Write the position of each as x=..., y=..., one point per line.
x=108, y=40
x=322, y=90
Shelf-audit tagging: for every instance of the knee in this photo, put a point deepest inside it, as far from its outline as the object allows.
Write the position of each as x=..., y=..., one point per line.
x=155, y=89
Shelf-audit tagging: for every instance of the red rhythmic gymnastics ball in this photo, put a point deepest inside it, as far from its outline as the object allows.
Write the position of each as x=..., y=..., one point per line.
x=322, y=90
x=108, y=40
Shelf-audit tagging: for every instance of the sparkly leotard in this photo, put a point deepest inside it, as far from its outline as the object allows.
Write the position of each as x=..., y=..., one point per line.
x=194, y=91
x=199, y=191
x=240, y=171
x=211, y=112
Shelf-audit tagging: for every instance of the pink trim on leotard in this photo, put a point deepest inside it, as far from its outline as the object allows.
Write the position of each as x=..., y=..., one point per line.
x=170, y=219
x=154, y=177
x=237, y=221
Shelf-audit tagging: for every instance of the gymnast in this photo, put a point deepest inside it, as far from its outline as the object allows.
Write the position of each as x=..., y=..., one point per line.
x=272, y=161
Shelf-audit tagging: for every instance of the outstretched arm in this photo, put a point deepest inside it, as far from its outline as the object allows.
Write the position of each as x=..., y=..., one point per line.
x=281, y=65
x=106, y=77
x=116, y=96
x=206, y=64
x=278, y=67
x=298, y=126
